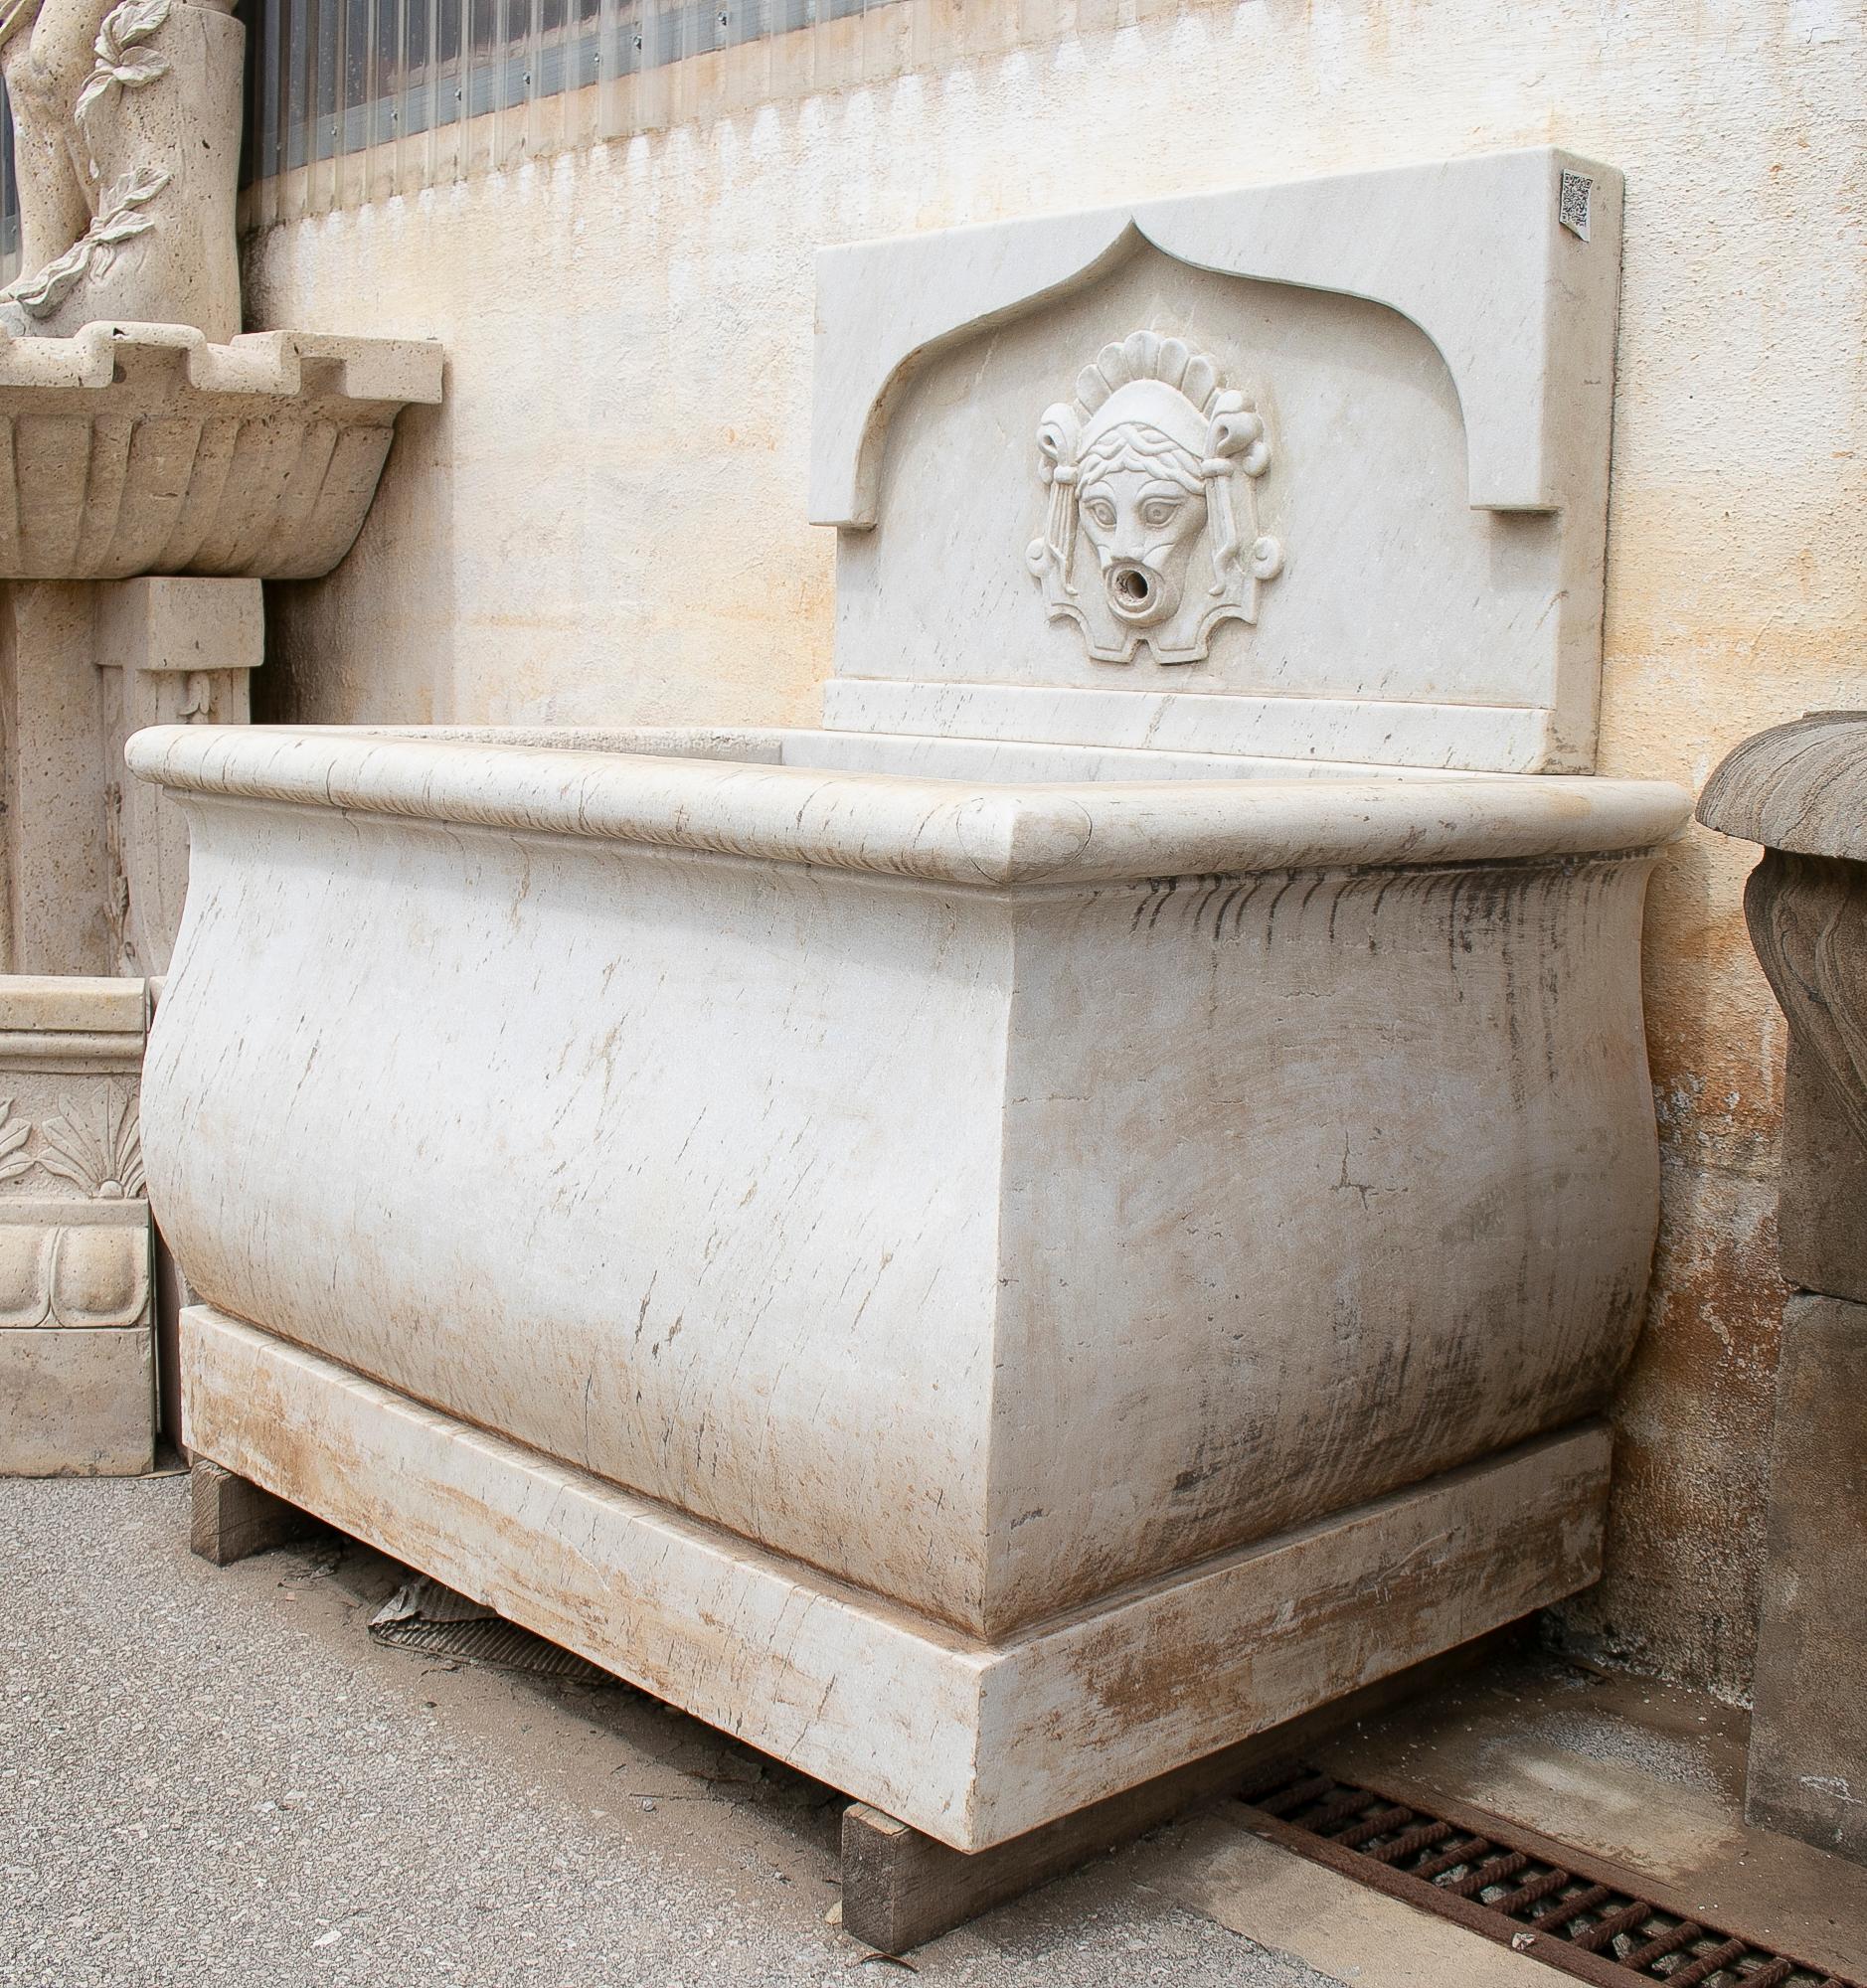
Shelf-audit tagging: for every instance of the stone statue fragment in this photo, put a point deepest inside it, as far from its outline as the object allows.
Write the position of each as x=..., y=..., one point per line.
x=126, y=147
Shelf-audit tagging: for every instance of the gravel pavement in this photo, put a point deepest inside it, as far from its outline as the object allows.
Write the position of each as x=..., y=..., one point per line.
x=214, y=1776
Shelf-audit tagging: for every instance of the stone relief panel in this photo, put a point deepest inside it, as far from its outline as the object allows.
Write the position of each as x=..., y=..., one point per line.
x=92, y=1145
x=122, y=60
x=95, y=1144
x=74, y=1245
x=75, y=1274
x=1150, y=528
x=77, y=1393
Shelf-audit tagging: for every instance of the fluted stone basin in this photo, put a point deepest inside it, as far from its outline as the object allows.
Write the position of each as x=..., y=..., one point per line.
x=143, y=448
x=150, y=480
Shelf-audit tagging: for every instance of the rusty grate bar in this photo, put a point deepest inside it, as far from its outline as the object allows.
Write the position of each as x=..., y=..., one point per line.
x=1586, y=1917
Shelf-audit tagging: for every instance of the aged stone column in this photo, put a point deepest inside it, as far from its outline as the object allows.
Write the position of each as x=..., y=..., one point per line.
x=168, y=652
x=96, y=864
x=56, y=857
x=1801, y=791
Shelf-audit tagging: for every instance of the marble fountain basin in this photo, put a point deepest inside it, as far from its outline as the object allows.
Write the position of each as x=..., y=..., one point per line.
x=985, y=1274
x=1087, y=1206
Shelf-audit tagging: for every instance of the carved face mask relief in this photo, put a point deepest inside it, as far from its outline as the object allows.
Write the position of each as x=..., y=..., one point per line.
x=1151, y=529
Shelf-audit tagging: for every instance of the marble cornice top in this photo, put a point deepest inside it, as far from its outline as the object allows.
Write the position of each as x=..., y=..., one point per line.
x=1481, y=252
x=72, y=1021
x=274, y=365
x=1801, y=787
x=958, y=832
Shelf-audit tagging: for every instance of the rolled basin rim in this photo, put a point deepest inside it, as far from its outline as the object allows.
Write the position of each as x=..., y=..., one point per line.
x=954, y=831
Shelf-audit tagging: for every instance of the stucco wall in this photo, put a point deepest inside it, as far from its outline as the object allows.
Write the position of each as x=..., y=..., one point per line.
x=607, y=519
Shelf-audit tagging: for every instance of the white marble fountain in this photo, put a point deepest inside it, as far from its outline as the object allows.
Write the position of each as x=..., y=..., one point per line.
x=1090, y=1203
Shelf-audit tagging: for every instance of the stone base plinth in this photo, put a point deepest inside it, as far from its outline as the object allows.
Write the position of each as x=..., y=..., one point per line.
x=970, y=1740
x=76, y=1403
x=1808, y=1736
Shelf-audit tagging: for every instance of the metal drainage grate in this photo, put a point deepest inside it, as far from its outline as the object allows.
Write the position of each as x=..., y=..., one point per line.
x=1592, y=1920
x=497, y=1645
x=423, y=1616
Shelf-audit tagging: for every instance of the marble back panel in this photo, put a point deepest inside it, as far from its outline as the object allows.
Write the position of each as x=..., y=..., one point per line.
x=1317, y=470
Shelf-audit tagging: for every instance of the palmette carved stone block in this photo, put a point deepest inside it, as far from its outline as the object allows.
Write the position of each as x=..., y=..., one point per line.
x=77, y=1364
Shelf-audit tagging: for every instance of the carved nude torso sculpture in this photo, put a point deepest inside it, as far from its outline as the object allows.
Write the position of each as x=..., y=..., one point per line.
x=127, y=120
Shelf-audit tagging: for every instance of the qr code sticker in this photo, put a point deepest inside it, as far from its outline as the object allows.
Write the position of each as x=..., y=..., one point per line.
x=1572, y=207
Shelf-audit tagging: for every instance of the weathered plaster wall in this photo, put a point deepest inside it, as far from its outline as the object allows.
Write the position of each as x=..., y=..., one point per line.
x=606, y=520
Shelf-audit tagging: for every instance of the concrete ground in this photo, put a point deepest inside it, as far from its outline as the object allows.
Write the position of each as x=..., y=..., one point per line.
x=216, y=1776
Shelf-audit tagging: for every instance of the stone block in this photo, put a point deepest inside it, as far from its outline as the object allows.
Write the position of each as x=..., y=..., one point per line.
x=970, y=1742
x=1809, y=1733
x=107, y=1013
x=76, y=1403
x=1822, y=1215
x=178, y=624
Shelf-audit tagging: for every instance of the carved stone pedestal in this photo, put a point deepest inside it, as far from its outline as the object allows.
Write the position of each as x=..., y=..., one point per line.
x=1801, y=791
x=96, y=865
x=76, y=1339
x=155, y=468
x=156, y=481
